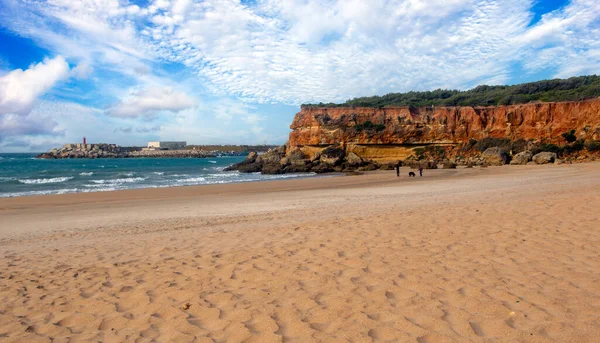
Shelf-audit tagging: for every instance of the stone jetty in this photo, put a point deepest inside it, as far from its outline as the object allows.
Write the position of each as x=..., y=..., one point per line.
x=113, y=151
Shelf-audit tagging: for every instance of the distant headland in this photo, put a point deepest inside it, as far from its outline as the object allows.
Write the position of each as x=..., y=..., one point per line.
x=161, y=149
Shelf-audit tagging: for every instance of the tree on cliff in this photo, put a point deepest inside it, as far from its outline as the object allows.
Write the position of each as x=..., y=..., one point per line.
x=571, y=89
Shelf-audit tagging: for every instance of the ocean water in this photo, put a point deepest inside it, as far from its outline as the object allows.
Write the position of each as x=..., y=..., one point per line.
x=24, y=175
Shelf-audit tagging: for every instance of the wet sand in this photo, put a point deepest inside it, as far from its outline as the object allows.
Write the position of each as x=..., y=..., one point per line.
x=495, y=254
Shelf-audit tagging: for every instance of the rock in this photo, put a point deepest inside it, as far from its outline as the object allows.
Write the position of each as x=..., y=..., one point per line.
x=369, y=167
x=298, y=168
x=353, y=159
x=272, y=156
x=248, y=165
x=424, y=164
x=521, y=158
x=284, y=161
x=448, y=165
x=321, y=168
x=558, y=161
x=252, y=155
x=272, y=168
x=245, y=168
x=389, y=165
x=495, y=156
x=544, y=157
x=332, y=155
x=295, y=155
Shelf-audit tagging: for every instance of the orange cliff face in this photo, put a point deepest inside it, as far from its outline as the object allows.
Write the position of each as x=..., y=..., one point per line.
x=397, y=130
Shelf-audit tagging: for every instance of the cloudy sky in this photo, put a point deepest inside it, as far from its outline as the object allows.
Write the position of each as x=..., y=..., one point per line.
x=231, y=71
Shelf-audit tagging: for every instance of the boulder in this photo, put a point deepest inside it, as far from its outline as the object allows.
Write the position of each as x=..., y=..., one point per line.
x=251, y=157
x=272, y=168
x=448, y=165
x=544, y=157
x=389, y=166
x=249, y=165
x=495, y=156
x=354, y=160
x=321, y=168
x=295, y=155
x=369, y=166
x=245, y=168
x=273, y=156
x=298, y=168
x=332, y=155
x=522, y=158
x=559, y=161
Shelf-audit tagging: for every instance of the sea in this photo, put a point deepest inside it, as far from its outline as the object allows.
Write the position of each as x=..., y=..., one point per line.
x=25, y=175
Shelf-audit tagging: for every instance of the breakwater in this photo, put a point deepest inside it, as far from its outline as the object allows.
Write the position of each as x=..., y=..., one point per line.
x=113, y=151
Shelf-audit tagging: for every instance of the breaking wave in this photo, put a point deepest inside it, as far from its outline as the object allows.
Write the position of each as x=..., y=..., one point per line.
x=43, y=181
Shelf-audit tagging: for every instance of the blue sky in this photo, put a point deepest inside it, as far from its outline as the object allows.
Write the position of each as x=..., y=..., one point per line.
x=225, y=71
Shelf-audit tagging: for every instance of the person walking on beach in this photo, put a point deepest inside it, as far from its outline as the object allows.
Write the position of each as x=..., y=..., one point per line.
x=398, y=169
x=420, y=169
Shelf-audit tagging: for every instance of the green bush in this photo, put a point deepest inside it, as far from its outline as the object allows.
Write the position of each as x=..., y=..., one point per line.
x=571, y=89
x=569, y=136
x=592, y=145
x=518, y=146
x=573, y=147
x=419, y=153
x=369, y=126
x=547, y=147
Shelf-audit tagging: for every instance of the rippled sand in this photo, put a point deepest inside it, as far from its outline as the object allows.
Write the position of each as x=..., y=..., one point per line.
x=496, y=254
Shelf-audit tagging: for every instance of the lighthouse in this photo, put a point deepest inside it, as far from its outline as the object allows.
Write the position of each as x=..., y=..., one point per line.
x=84, y=140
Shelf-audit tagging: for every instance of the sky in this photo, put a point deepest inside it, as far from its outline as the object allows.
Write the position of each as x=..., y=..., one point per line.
x=236, y=72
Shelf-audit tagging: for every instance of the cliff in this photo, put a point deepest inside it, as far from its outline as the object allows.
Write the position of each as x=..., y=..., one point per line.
x=393, y=132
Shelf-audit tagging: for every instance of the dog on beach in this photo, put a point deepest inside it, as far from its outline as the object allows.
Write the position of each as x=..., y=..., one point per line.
x=411, y=174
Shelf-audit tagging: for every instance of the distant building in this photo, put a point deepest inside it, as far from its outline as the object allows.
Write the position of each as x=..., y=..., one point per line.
x=167, y=145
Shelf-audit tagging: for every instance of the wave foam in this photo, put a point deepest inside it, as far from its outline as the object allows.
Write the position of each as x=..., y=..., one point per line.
x=116, y=181
x=191, y=180
x=43, y=181
x=87, y=174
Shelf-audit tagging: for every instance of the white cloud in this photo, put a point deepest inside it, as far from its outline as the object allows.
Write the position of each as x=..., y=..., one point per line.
x=20, y=88
x=27, y=125
x=151, y=101
x=293, y=51
x=82, y=70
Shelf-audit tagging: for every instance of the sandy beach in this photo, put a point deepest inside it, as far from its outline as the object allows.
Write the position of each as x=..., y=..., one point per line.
x=498, y=254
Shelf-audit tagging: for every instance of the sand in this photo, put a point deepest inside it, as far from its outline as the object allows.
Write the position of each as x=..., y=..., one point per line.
x=497, y=254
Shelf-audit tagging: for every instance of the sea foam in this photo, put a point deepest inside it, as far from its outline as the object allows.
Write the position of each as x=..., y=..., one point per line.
x=43, y=181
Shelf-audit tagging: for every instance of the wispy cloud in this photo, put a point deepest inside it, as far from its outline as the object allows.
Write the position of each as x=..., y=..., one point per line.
x=149, y=101
x=295, y=51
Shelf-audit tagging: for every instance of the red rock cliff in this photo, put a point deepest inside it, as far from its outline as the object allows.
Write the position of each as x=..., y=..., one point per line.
x=404, y=126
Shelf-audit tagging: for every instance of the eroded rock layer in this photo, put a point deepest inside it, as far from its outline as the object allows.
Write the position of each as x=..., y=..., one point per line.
x=392, y=132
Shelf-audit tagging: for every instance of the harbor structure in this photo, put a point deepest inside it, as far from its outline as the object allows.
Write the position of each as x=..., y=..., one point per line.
x=167, y=145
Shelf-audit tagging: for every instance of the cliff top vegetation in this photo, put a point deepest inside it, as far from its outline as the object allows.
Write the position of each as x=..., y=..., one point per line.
x=571, y=89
